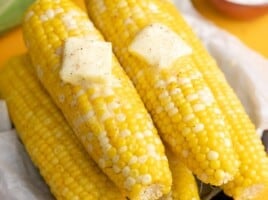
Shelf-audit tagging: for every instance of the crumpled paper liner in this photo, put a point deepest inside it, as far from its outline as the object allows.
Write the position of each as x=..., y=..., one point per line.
x=19, y=179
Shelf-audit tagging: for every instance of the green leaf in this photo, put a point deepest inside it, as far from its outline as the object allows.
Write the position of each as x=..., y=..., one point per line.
x=11, y=13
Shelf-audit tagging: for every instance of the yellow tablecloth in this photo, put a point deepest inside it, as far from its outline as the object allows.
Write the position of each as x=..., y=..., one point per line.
x=253, y=33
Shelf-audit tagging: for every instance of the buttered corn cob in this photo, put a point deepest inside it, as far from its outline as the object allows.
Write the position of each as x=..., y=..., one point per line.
x=120, y=21
x=49, y=140
x=114, y=127
x=253, y=171
x=178, y=97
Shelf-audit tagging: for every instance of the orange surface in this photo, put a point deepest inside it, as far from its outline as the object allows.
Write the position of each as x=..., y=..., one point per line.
x=11, y=44
x=253, y=33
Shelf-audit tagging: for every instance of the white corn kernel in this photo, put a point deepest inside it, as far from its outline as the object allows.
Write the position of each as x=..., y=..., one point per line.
x=192, y=97
x=139, y=135
x=172, y=79
x=142, y=159
x=189, y=117
x=160, y=84
x=122, y=149
x=147, y=133
x=199, y=107
x=169, y=106
x=213, y=155
x=146, y=179
x=163, y=95
x=217, y=111
x=128, y=21
x=175, y=91
x=121, y=117
x=198, y=128
x=113, y=105
x=129, y=183
x=108, y=92
x=227, y=142
x=173, y=111
x=126, y=171
x=153, y=7
x=184, y=81
x=133, y=160
x=125, y=133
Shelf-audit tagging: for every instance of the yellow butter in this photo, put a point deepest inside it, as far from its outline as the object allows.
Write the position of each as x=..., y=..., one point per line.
x=86, y=61
x=159, y=46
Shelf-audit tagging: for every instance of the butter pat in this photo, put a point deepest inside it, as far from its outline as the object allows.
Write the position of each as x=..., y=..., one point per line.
x=86, y=61
x=159, y=46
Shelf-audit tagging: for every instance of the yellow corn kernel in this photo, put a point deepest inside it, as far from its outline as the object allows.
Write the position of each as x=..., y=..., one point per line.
x=180, y=100
x=184, y=186
x=115, y=128
x=50, y=142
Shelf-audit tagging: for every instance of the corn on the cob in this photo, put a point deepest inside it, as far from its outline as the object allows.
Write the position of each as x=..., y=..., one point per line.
x=253, y=169
x=253, y=172
x=184, y=186
x=115, y=128
x=179, y=100
x=49, y=140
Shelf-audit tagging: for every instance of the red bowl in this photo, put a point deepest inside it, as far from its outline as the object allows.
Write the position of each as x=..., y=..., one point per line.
x=240, y=11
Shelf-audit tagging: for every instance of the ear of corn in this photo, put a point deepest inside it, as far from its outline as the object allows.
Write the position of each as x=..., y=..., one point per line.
x=253, y=172
x=120, y=21
x=115, y=128
x=53, y=147
x=252, y=177
x=184, y=186
x=180, y=99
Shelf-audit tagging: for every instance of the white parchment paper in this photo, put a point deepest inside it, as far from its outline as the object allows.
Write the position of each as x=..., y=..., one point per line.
x=19, y=179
